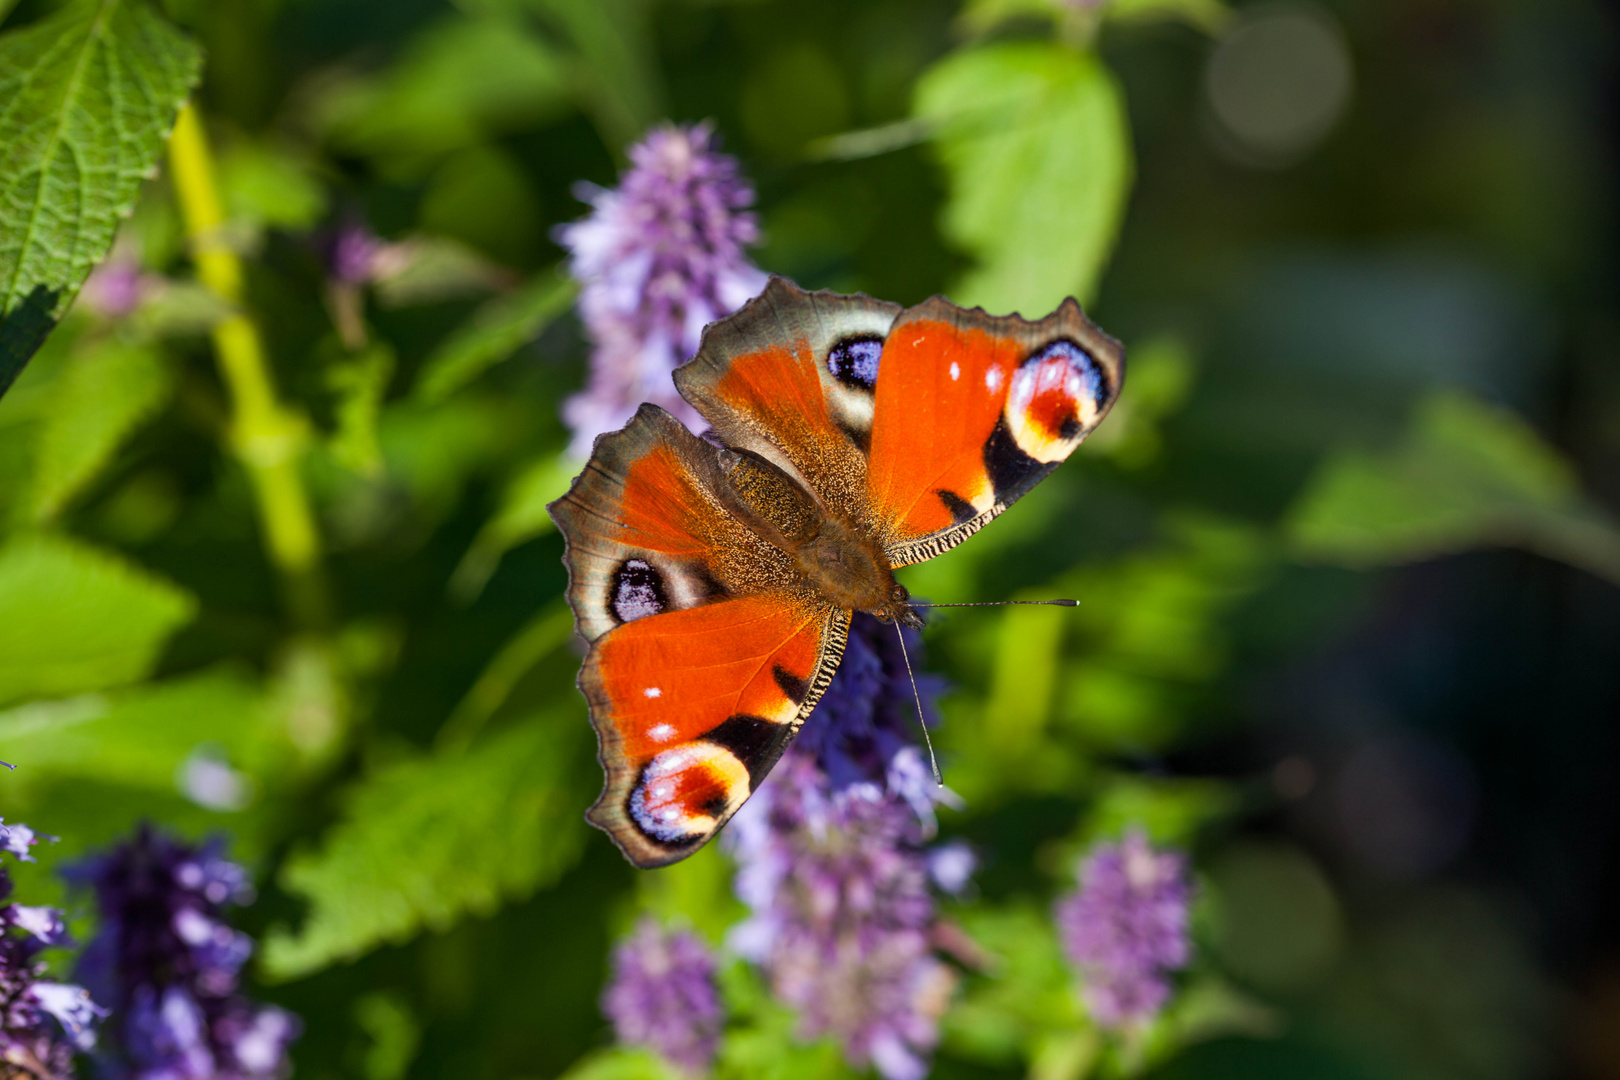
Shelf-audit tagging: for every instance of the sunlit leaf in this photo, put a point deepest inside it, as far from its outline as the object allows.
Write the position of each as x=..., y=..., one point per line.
x=142, y=737
x=86, y=98
x=1466, y=475
x=1034, y=141
x=495, y=332
x=105, y=393
x=428, y=840
x=74, y=619
x=263, y=185
x=623, y=1063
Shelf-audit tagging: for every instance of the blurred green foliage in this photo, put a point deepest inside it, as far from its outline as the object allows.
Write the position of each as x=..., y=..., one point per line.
x=404, y=764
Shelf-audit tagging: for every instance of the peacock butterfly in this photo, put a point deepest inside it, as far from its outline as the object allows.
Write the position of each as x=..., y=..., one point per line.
x=714, y=579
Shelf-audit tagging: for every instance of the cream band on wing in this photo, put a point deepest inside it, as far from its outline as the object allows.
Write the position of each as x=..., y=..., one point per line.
x=1057, y=396
x=685, y=792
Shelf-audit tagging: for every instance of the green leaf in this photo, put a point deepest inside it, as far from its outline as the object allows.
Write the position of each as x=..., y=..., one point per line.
x=1206, y=15
x=522, y=517
x=395, y=1035
x=263, y=185
x=623, y=1063
x=75, y=619
x=1466, y=475
x=427, y=840
x=86, y=100
x=496, y=331
x=360, y=382
x=106, y=392
x=140, y=738
x=1037, y=151
x=1026, y=994
x=457, y=83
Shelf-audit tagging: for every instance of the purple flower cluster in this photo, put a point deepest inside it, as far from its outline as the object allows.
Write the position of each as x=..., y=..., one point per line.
x=833, y=866
x=1126, y=929
x=41, y=1023
x=663, y=996
x=659, y=257
x=167, y=964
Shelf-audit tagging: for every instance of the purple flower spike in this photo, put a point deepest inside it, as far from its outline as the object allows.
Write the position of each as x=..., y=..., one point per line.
x=1126, y=929
x=41, y=1023
x=842, y=915
x=168, y=964
x=659, y=257
x=663, y=996
x=18, y=839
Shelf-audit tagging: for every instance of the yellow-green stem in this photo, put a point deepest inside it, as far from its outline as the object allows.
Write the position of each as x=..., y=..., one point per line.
x=266, y=437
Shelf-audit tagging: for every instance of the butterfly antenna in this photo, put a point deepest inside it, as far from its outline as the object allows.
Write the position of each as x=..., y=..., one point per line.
x=1003, y=603
x=932, y=760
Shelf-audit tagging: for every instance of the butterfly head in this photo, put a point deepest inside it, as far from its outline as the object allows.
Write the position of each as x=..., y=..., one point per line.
x=898, y=609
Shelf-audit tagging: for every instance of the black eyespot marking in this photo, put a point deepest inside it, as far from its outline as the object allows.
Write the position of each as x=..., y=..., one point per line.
x=961, y=510
x=636, y=591
x=1070, y=428
x=790, y=684
x=1012, y=472
x=756, y=742
x=854, y=361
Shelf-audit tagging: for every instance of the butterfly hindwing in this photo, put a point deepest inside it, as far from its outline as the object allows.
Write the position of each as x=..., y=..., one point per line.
x=972, y=411
x=706, y=649
x=693, y=707
x=791, y=377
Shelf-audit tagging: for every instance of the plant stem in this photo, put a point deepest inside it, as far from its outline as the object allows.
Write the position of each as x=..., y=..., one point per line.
x=266, y=437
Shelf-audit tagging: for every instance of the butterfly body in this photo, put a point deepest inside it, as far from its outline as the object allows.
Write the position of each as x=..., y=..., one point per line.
x=715, y=580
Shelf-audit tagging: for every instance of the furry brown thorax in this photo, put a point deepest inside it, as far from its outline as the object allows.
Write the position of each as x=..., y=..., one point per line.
x=837, y=558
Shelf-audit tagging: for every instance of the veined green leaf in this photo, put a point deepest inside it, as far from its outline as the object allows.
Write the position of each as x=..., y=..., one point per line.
x=1467, y=475
x=428, y=840
x=86, y=100
x=1034, y=140
x=496, y=331
x=104, y=395
x=74, y=619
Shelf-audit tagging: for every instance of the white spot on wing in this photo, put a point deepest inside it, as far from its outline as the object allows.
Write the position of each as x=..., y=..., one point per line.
x=956, y=371
x=992, y=379
x=653, y=691
x=660, y=733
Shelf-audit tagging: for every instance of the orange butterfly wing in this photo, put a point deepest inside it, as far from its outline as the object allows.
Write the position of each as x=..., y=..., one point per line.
x=972, y=411
x=707, y=653
x=790, y=377
x=694, y=707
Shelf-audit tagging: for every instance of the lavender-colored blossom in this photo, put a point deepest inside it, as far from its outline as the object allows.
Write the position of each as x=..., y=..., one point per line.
x=833, y=864
x=659, y=257
x=41, y=1022
x=168, y=964
x=351, y=252
x=117, y=286
x=663, y=996
x=1126, y=929
x=18, y=838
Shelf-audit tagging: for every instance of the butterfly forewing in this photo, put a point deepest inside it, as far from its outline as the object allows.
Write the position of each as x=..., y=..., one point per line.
x=972, y=411
x=791, y=377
